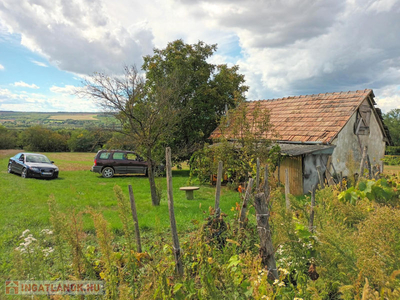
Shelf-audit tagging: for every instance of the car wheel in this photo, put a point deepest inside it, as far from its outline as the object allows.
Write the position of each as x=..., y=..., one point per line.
x=24, y=173
x=107, y=172
x=9, y=170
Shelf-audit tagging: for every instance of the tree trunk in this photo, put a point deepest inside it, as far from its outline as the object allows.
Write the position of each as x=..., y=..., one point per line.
x=150, y=171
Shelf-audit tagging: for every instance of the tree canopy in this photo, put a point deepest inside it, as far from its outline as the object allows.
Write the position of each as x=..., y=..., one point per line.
x=205, y=90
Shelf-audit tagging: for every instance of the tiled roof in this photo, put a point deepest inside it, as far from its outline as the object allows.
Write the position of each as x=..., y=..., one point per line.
x=311, y=118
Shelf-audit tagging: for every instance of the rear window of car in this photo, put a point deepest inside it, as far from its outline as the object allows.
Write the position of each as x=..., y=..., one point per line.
x=104, y=155
x=132, y=156
x=119, y=155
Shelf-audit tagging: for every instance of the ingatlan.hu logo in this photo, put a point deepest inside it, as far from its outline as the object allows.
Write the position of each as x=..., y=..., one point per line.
x=17, y=287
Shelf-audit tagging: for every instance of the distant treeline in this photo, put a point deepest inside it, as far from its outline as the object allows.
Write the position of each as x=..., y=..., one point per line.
x=42, y=139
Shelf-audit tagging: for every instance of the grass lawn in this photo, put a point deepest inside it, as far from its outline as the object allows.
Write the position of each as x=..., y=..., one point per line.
x=24, y=201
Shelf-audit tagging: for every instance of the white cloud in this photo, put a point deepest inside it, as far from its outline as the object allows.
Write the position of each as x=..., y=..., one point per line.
x=76, y=36
x=286, y=47
x=24, y=84
x=39, y=63
x=1, y=67
x=24, y=101
x=66, y=90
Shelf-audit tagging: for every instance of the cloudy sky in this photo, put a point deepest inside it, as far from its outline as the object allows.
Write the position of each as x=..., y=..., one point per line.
x=284, y=48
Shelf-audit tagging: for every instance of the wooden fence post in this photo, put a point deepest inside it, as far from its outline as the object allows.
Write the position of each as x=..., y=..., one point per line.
x=218, y=190
x=266, y=183
x=369, y=167
x=247, y=195
x=266, y=247
x=362, y=164
x=287, y=190
x=320, y=178
x=176, y=247
x=311, y=223
x=135, y=219
x=328, y=174
x=258, y=175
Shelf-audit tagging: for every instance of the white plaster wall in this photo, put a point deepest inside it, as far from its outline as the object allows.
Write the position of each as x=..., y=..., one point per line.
x=347, y=144
x=310, y=173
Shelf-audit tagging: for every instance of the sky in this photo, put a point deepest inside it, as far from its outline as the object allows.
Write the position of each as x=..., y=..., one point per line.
x=284, y=48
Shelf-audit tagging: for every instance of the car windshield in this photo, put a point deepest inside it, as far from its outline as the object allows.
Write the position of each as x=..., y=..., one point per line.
x=37, y=159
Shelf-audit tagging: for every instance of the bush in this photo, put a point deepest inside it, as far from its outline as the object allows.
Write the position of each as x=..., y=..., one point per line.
x=391, y=160
x=392, y=150
x=38, y=138
x=8, y=138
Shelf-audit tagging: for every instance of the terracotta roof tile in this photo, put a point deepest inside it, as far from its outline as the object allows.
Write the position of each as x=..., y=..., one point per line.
x=316, y=118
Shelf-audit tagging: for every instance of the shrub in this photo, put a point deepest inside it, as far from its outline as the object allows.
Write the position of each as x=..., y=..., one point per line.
x=38, y=138
x=8, y=138
x=392, y=160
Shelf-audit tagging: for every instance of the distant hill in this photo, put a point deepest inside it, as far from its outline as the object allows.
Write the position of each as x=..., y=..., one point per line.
x=56, y=120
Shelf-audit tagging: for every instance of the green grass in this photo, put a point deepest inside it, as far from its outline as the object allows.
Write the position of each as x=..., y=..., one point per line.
x=24, y=201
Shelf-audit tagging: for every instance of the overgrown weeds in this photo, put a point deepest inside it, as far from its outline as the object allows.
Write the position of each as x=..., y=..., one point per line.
x=351, y=253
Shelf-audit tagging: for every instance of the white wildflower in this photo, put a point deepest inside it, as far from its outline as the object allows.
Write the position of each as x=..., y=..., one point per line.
x=25, y=232
x=281, y=283
x=284, y=271
x=276, y=281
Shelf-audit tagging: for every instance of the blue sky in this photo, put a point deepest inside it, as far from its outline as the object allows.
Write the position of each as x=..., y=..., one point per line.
x=283, y=48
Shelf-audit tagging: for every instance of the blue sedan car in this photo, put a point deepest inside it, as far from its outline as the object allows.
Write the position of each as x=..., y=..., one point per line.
x=32, y=165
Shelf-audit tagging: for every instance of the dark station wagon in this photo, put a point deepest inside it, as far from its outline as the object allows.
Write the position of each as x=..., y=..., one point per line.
x=110, y=162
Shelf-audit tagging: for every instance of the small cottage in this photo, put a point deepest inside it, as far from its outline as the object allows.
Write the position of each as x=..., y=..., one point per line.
x=328, y=131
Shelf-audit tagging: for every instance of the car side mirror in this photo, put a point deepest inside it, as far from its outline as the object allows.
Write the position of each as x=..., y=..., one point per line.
x=52, y=161
x=21, y=159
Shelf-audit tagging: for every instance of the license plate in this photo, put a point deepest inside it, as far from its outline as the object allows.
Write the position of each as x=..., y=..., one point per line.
x=47, y=173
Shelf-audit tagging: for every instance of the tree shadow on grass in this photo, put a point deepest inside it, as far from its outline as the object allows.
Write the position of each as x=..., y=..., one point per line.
x=180, y=173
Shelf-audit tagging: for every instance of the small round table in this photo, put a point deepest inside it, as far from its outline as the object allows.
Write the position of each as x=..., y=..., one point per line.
x=189, y=191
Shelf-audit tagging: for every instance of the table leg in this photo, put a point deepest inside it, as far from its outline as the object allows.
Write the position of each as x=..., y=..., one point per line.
x=189, y=195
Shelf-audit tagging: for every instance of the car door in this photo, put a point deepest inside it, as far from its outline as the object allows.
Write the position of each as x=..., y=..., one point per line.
x=19, y=163
x=13, y=162
x=135, y=164
x=119, y=162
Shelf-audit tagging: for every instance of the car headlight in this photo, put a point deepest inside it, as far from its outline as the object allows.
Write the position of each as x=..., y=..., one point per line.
x=35, y=169
x=56, y=170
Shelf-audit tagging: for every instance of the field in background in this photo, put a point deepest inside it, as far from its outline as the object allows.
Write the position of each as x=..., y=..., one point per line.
x=64, y=120
x=69, y=116
x=391, y=169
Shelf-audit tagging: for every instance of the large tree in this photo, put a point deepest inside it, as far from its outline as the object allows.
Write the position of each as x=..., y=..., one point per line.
x=206, y=90
x=144, y=112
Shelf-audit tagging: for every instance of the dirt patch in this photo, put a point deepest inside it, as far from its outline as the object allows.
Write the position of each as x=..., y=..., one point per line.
x=72, y=156
x=9, y=152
